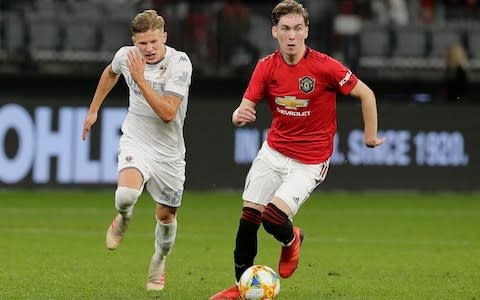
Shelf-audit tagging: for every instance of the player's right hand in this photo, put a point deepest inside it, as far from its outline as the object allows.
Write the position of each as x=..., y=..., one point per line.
x=244, y=114
x=87, y=124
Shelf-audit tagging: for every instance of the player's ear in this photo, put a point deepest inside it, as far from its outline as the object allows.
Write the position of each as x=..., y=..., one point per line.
x=274, y=31
x=133, y=39
x=165, y=35
x=306, y=32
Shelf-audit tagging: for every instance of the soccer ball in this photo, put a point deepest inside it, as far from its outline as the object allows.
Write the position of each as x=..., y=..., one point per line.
x=259, y=282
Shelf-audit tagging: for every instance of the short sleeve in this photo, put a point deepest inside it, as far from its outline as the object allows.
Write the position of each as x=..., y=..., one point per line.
x=256, y=86
x=180, y=77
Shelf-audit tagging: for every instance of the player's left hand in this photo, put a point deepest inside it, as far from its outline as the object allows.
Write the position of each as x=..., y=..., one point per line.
x=136, y=64
x=372, y=143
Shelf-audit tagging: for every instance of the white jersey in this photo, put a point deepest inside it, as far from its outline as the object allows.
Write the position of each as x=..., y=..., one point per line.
x=172, y=75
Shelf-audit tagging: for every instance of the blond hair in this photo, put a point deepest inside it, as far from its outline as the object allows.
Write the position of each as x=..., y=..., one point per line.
x=289, y=7
x=147, y=20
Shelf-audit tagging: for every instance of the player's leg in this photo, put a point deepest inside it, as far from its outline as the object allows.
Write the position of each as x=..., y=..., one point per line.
x=130, y=182
x=165, y=235
x=276, y=221
x=260, y=184
x=166, y=188
x=246, y=239
x=245, y=246
x=300, y=180
x=130, y=186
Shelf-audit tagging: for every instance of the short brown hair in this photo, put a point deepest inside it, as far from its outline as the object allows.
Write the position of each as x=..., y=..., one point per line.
x=286, y=7
x=146, y=20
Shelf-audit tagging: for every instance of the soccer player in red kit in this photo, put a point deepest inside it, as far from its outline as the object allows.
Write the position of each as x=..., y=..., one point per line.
x=300, y=85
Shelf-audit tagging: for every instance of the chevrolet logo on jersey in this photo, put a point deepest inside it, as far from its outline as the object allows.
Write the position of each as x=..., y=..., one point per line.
x=307, y=84
x=291, y=102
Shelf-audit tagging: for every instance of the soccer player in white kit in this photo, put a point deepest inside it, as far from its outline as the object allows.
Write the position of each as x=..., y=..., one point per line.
x=152, y=148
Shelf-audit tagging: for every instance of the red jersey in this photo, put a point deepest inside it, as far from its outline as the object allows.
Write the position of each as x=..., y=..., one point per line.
x=302, y=100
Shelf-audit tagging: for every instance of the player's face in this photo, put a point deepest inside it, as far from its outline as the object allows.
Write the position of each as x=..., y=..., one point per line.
x=151, y=44
x=291, y=33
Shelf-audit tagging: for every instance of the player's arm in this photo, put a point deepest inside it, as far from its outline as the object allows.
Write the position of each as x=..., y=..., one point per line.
x=107, y=81
x=369, y=113
x=245, y=113
x=165, y=106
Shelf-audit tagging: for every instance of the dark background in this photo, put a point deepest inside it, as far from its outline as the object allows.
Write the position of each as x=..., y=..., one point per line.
x=52, y=53
x=209, y=134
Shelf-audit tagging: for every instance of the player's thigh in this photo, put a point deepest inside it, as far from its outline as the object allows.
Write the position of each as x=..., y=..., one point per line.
x=133, y=165
x=299, y=183
x=261, y=182
x=166, y=183
x=131, y=178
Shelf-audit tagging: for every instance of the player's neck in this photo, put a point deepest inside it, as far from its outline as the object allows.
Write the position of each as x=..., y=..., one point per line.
x=294, y=58
x=164, y=52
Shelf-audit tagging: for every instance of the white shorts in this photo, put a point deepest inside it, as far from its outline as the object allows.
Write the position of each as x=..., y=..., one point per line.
x=274, y=174
x=164, y=180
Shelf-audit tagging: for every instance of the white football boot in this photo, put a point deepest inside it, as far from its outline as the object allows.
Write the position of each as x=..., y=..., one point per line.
x=156, y=273
x=116, y=231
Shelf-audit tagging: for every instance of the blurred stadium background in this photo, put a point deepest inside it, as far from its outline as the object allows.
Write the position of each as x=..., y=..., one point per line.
x=53, y=51
x=56, y=190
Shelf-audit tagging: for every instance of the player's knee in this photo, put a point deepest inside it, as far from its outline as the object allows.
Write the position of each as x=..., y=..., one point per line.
x=125, y=198
x=251, y=215
x=166, y=219
x=166, y=214
x=276, y=222
x=273, y=217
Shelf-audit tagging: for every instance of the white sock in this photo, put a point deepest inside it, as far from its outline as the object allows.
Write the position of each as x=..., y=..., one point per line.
x=165, y=235
x=127, y=215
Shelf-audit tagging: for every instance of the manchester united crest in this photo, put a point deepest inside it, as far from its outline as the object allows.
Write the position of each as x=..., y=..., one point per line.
x=307, y=84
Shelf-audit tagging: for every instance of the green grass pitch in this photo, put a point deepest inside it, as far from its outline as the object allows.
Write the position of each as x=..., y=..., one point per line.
x=357, y=246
